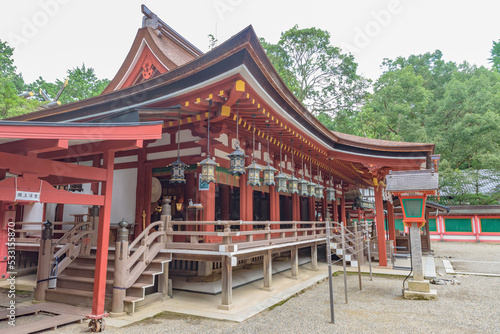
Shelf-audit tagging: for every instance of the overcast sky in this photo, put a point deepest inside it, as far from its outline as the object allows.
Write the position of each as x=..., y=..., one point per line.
x=52, y=36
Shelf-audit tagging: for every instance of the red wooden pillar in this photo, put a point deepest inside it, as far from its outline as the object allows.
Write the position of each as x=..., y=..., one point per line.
x=277, y=214
x=96, y=162
x=243, y=197
x=392, y=225
x=148, y=175
x=295, y=207
x=343, y=216
x=139, y=193
x=207, y=199
x=101, y=265
x=225, y=201
x=272, y=204
x=274, y=209
x=335, y=209
x=379, y=208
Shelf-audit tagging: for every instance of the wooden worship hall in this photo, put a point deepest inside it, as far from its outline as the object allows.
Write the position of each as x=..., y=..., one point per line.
x=199, y=163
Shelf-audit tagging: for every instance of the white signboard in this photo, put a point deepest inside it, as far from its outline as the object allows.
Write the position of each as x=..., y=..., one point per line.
x=28, y=196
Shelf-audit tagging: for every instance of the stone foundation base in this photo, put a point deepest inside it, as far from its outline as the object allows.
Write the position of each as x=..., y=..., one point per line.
x=225, y=307
x=415, y=295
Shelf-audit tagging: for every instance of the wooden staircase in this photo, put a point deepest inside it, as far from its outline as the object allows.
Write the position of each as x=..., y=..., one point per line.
x=75, y=284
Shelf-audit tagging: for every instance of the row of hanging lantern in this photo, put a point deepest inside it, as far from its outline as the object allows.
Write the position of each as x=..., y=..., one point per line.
x=237, y=162
x=237, y=166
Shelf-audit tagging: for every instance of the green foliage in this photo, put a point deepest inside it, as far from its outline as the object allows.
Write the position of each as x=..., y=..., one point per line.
x=322, y=77
x=11, y=84
x=398, y=107
x=422, y=98
x=472, y=186
x=82, y=84
x=495, y=55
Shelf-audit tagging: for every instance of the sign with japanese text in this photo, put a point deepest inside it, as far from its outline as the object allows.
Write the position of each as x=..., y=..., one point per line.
x=28, y=196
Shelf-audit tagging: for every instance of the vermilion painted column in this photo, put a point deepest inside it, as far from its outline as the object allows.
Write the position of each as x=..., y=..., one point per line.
x=243, y=197
x=379, y=208
x=96, y=162
x=101, y=265
x=277, y=207
x=272, y=204
x=140, y=190
x=391, y=223
x=148, y=175
x=477, y=224
x=207, y=199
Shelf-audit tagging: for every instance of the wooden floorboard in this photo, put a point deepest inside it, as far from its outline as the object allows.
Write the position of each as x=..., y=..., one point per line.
x=62, y=315
x=39, y=325
x=21, y=311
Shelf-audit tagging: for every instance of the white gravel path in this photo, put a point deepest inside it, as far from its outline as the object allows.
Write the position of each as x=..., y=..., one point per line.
x=470, y=307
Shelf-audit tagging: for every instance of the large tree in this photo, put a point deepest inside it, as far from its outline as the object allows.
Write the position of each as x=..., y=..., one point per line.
x=323, y=78
x=422, y=98
x=495, y=55
x=11, y=84
x=82, y=84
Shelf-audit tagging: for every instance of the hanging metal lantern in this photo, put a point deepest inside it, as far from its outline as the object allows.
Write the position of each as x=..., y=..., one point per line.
x=208, y=165
x=237, y=161
x=293, y=185
x=253, y=174
x=281, y=182
x=303, y=191
x=311, y=189
x=237, y=158
x=178, y=168
x=293, y=182
x=319, y=191
x=330, y=194
x=208, y=170
x=268, y=172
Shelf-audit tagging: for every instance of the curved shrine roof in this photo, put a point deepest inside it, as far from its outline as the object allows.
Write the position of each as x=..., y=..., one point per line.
x=241, y=56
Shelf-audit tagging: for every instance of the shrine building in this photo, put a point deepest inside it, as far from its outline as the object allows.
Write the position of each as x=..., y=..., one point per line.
x=207, y=161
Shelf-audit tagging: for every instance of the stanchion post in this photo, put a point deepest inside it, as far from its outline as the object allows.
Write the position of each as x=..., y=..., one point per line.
x=330, y=278
x=343, y=259
x=368, y=245
x=359, y=252
x=120, y=270
x=44, y=256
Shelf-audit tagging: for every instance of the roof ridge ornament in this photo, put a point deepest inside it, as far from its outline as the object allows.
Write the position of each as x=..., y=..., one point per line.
x=150, y=20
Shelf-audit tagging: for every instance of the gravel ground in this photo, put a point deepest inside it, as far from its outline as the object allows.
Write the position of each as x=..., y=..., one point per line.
x=473, y=306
